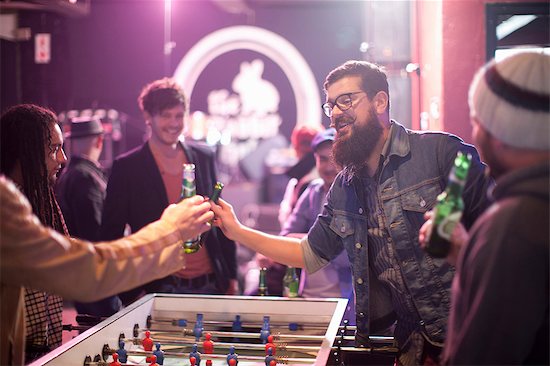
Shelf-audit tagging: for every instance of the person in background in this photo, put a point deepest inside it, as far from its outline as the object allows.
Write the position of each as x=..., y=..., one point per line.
x=37, y=257
x=80, y=191
x=145, y=180
x=334, y=280
x=500, y=299
x=391, y=176
x=302, y=173
x=31, y=155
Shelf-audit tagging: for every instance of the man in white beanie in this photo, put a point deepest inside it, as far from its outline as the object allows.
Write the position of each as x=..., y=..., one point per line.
x=499, y=312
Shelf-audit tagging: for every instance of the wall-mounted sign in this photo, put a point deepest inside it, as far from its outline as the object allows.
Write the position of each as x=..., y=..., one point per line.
x=245, y=111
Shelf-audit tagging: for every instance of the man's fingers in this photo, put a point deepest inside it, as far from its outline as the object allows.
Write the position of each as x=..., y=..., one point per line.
x=206, y=217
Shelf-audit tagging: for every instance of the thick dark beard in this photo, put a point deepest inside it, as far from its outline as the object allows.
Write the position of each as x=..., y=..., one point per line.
x=353, y=151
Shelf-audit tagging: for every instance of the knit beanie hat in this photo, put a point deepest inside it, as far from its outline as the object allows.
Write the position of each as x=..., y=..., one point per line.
x=511, y=99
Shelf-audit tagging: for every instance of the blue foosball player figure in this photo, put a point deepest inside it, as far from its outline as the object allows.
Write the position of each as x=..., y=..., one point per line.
x=232, y=357
x=122, y=353
x=237, y=324
x=196, y=354
x=266, y=330
x=199, y=328
x=159, y=353
x=269, y=357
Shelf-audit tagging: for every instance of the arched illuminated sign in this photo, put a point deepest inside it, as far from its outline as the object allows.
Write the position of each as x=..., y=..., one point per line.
x=267, y=43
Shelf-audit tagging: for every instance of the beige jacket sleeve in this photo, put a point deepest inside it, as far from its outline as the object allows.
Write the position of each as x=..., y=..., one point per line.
x=40, y=258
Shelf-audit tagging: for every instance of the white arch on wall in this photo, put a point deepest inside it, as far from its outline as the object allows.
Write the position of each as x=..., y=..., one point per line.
x=271, y=45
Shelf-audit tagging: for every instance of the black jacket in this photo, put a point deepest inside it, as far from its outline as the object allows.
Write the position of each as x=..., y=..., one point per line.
x=136, y=196
x=80, y=191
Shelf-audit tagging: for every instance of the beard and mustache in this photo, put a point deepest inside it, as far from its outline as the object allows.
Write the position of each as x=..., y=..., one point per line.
x=353, y=150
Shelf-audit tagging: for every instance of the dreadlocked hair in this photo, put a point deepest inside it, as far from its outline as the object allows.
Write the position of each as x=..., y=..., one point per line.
x=24, y=136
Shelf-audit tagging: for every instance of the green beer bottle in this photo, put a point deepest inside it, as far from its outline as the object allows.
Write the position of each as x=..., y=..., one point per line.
x=291, y=283
x=448, y=209
x=262, y=287
x=189, y=189
x=214, y=198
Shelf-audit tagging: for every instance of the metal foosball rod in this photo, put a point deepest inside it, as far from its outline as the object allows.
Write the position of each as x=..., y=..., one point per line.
x=289, y=325
x=276, y=335
x=180, y=343
x=280, y=359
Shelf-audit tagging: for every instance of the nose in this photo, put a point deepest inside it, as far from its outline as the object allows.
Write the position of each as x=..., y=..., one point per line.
x=61, y=157
x=335, y=113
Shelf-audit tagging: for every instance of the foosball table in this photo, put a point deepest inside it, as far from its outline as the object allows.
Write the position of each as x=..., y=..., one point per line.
x=168, y=329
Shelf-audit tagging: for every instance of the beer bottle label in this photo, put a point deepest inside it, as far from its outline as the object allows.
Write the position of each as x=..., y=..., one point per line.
x=447, y=225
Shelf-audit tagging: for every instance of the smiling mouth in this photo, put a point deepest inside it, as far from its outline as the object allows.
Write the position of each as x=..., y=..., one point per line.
x=342, y=124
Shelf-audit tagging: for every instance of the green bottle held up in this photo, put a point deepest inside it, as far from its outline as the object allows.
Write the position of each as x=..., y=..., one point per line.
x=189, y=189
x=448, y=209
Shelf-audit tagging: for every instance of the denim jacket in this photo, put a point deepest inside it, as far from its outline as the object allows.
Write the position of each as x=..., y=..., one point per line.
x=415, y=169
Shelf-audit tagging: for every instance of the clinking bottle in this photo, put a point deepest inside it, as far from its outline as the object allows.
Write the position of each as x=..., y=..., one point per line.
x=189, y=189
x=448, y=209
x=218, y=187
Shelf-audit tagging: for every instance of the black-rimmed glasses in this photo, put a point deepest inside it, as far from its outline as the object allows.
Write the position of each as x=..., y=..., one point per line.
x=343, y=102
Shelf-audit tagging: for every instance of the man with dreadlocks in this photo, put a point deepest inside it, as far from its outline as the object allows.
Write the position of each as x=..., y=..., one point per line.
x=37, y=257
x=32, y=155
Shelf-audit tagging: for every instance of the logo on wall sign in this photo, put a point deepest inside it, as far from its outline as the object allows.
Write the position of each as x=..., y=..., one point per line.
x=240, y=118
x=249, y=111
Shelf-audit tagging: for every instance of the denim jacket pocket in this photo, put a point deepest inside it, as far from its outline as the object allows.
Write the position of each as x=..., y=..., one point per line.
x=342, y=224
x=422, y=198
x=417, y=201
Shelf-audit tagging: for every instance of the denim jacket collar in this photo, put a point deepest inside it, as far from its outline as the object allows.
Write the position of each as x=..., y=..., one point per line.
x=396, y=145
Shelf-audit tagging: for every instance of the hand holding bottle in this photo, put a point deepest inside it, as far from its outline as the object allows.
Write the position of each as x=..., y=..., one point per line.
x=459, y=237
x=190, y=216
x=226, y=219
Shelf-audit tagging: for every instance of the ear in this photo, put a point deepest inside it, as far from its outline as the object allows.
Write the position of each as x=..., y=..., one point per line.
x=147, y=117
x=380, y=102
x=99, y=141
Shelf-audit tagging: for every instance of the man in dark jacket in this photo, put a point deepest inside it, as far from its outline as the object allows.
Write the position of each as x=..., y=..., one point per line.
x=500, y=297
x=80, y=192
x=144, y=181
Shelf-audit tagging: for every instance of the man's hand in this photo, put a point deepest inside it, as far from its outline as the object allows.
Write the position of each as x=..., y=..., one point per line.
x=190, y=216
x=226, y=219
x=459, y=237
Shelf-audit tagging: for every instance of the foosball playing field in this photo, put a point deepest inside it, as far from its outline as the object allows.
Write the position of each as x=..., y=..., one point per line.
x=167, y=329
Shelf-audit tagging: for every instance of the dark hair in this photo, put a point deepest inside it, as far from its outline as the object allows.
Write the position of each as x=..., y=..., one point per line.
x=159, y=95
x=24, y=135
x=373, y=77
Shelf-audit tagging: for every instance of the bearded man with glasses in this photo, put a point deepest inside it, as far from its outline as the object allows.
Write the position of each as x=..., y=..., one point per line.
x=375, y=208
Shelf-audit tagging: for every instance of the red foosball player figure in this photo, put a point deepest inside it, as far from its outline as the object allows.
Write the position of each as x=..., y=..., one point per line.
x=192, y=361
x=271, y=345
x=208, y=362
x=115, y=360
x=208, y=345
x=153, y=361
x=147, y=342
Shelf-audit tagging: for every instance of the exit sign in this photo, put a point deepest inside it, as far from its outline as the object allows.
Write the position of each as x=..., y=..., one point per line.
x=42, y=48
